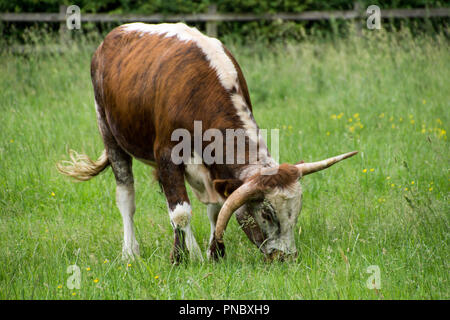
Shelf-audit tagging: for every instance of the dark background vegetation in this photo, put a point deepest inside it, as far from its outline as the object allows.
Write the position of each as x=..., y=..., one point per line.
x=182, y=6
x=256, y=31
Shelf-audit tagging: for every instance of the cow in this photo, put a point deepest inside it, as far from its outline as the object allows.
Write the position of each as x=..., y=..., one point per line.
x=150, y=80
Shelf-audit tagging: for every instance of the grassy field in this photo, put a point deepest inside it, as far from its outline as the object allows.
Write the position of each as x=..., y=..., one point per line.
x=384, y=95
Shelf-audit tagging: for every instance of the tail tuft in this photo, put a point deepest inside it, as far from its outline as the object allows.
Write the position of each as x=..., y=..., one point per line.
x=81, y=167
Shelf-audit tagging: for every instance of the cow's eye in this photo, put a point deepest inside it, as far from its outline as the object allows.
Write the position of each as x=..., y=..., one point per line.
x=266, y=216
x=267, y=211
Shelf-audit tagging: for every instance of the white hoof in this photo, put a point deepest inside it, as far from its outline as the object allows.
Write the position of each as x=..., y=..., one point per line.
x=130, y=252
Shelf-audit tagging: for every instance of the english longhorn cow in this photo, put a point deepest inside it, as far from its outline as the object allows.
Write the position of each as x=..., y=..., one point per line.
x=150, y=80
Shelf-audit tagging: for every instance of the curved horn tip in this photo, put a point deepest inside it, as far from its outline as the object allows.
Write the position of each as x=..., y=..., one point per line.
x=344, y=156
x=350, y=154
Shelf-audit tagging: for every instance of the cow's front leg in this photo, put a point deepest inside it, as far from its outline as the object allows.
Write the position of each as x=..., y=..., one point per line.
x=171, y=178
x=216, y=249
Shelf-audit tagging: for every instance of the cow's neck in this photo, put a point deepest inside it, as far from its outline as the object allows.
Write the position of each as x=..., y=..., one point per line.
x=200, y=176
x=249, y=170
x=245, y=171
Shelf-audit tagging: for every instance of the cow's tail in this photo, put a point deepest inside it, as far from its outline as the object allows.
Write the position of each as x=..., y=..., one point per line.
x=81, y=167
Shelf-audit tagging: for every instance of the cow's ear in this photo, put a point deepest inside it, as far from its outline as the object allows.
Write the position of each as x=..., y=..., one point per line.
x=225, y=187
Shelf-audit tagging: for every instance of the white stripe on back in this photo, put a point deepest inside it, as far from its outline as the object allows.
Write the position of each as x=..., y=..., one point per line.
x=211, y=47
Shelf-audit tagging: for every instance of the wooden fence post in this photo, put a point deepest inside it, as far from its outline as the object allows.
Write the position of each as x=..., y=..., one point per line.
x=211, y=26
x=359, y=20
x=63, y=31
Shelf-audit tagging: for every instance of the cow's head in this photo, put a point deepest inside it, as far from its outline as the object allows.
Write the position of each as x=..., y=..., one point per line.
x=267, y=205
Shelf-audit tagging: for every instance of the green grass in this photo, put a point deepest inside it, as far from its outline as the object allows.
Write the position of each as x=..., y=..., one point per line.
x=393, y=87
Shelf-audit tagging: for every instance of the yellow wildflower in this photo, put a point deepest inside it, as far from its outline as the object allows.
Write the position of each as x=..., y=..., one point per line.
x=95, y=280
x=88, y=269
x=381, y=115
x=365, y=170
x=372, y=169
x=356, y=115
x=60, y=286
x=53, y=194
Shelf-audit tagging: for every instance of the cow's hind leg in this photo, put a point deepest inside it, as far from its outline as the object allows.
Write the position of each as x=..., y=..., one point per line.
x=171, y=178
x=121, y=164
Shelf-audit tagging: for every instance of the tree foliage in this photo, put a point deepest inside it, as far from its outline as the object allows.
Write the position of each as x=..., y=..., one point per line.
x=195, y=6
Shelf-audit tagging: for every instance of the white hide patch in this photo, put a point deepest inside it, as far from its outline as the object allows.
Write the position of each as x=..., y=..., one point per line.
x=211, y=47
x=199, y=178
x=251, y=130
x=126, y=204
x=194, y=250
x=244, y=114
x=287, y=204
x=181, y=215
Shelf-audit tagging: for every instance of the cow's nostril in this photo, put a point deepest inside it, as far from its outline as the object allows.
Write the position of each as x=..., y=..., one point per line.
x=278, y=255
x=275, y=255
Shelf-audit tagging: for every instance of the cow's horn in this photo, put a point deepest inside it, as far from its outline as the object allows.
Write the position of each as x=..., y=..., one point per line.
x=311, y=167
x=233, y=202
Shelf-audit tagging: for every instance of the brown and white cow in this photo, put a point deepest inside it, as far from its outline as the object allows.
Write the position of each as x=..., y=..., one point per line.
x=150, y=80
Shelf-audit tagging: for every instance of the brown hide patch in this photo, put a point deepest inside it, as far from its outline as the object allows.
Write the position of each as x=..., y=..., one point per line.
x=286, y=175
x=225, y=187
x=153, y=85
